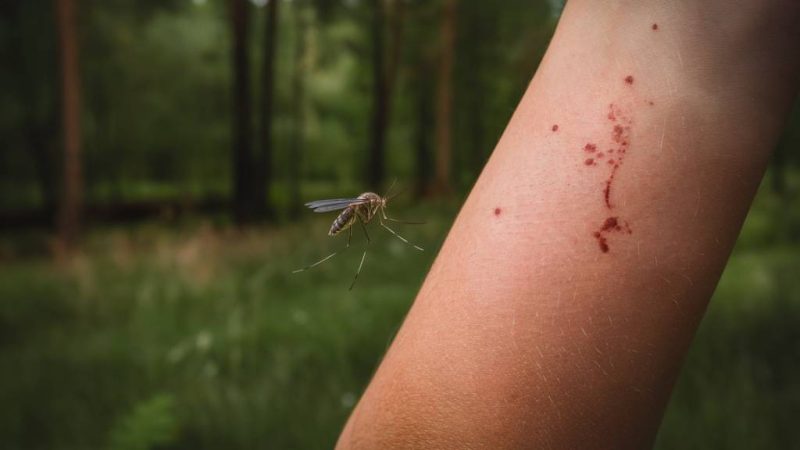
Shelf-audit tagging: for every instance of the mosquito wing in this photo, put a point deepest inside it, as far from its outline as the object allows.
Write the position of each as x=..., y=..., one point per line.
x=321, y=206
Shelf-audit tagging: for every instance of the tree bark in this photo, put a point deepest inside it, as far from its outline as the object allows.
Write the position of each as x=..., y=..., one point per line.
x=298, y=111
x=241, y=126
x=263, y=179
x=444, y=101
x=384, y=73
x=69, y=215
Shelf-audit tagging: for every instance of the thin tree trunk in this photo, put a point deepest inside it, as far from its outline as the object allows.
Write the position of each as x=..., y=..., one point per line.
x=298, y=110
x=263, y=179
x=380, y=111
x=384, y=74
x=424, y=119
x=69, y=216
x=242, y=152
x=444, y=101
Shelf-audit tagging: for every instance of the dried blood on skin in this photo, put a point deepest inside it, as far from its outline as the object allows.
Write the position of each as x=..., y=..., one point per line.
x=629, y=79
x=590, y=148
x=589, y=161
x=602, y=241
x=655, y=27
x=620, y=138
x=497, y=211
x=611, y=224
x=555, y=128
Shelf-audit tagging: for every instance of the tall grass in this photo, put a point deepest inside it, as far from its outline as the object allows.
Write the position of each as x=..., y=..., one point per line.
x=200, y=337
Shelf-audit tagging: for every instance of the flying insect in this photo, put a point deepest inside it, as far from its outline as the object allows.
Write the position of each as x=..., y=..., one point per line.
x=362, y=209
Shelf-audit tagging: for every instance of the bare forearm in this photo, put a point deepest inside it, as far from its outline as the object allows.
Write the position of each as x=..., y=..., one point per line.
x=568, y=290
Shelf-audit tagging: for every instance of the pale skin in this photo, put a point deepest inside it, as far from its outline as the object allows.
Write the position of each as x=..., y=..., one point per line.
x=526, y=333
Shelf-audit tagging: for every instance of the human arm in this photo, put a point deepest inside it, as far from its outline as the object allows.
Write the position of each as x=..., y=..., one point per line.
x=568, y=290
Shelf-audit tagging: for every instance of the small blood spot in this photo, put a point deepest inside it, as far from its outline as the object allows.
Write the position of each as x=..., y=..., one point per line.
x=590, y=148
x=589, y=162
x=654, y=27
x=555, y=128
x=610, y=224
x=497, y=211
x=617, y=136
x=629, y=79
x=650, y=102
x=611, y=161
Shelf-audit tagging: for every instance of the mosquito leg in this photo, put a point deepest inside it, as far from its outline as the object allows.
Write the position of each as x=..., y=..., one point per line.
x=385, y=217
x=363, y=256
x=349, y=236
x=363, y=227
x=401, y=237
x=358, y=271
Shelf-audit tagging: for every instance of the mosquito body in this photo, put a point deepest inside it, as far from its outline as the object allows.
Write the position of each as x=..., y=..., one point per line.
x=361, y=209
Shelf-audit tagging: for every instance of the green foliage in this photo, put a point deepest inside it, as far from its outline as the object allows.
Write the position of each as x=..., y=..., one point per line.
x=150, y=424
x=202, y=338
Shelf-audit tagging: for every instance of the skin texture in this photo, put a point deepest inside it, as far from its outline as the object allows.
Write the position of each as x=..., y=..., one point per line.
x=526, y=333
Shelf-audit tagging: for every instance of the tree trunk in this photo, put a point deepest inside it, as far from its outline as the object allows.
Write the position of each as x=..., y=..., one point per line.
x=69, y=215
x=377, y=149
x=241, y=127
x=384, y=73
x=444, y=101
x=424, y=119
x=298, y=110
x=263, y=178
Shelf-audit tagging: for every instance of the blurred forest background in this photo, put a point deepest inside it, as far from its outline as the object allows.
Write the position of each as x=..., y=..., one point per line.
x=154, y=158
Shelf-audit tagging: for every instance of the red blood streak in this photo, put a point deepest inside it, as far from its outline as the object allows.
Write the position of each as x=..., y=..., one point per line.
x=620, y=143
x=629, y=79
x=497, y=211
x=655, y=27
x=601, y=240
x=555, y=128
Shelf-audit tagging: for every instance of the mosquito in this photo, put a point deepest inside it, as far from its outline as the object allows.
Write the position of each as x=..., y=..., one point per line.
x=361, y=209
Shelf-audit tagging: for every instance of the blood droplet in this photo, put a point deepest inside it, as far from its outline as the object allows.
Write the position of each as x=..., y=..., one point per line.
x=602, y=241
x=555, y=128
x=629, y=79
x=655, y=27
x=497, y=211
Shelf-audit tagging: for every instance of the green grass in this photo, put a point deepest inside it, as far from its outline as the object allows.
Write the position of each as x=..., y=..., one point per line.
x=199, y=337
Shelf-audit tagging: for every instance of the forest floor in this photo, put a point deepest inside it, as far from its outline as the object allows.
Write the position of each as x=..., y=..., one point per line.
x=197, y=336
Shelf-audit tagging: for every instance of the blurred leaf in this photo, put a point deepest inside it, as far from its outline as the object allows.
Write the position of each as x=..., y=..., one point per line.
x=149, y=424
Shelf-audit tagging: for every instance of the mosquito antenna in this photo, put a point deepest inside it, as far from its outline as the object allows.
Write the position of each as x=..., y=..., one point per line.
x=396, y=193
x=388, y=191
